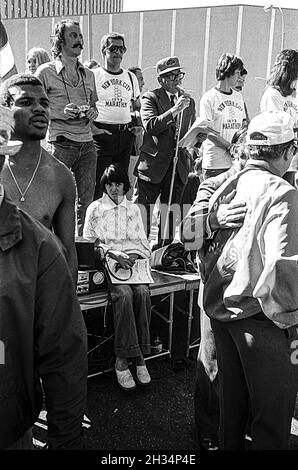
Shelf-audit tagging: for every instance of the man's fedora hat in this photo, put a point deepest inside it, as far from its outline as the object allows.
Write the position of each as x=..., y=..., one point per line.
x=167, y=65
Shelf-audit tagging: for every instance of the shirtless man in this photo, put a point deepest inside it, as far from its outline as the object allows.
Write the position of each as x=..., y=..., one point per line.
x=36, y=181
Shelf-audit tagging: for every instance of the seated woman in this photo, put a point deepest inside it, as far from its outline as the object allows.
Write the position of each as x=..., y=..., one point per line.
x=115, y=224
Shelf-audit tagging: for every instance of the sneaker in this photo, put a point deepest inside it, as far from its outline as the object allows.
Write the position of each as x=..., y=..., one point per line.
x=143, y=375
x=125, y=379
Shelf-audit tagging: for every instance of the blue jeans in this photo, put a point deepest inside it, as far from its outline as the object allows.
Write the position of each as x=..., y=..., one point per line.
x=80, y=158
x=131, y=306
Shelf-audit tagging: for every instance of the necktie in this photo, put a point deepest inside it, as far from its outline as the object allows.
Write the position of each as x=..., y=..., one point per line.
x=173, y=99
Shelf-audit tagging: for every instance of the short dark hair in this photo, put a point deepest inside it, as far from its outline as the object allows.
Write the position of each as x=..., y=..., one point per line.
x=115, y=173
x=284, y=71
x=57, y=39
x=266, y=152
x=227, y=64
x=16, y=80
x=106, y=40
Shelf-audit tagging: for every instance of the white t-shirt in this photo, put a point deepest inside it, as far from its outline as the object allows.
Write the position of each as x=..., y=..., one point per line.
x=272, y=100
x=115, y=93
x=227, y=112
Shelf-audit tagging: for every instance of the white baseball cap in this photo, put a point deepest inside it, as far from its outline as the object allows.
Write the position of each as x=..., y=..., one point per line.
x=276, y=126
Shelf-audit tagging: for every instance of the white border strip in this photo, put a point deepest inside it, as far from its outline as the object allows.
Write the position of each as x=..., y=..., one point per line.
x=110, y=23
x=174, y=16
x=206, y=48
x=239, y=30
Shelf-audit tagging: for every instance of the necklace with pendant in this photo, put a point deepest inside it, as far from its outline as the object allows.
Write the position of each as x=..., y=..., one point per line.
x=23, y=193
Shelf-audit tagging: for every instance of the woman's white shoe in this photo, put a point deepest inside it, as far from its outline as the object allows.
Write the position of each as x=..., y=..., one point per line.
x=125, y=379
x=143, y=375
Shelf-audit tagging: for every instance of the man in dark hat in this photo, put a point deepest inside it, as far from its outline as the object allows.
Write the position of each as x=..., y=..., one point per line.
x=167, y=113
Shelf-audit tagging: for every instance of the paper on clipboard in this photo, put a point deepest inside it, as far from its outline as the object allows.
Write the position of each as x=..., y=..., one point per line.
x=200, y=126
x=139, y=273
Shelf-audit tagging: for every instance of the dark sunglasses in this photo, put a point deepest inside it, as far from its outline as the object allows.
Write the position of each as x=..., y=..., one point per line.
x=175, y=76
x=115, y=49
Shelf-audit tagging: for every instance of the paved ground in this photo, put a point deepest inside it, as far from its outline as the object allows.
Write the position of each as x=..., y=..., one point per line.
x=157, y=417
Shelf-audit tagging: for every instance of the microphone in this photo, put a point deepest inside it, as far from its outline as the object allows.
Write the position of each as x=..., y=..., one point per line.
x=181, y=89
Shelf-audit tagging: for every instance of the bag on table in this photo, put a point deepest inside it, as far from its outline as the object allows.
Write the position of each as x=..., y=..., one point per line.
x=173, y=258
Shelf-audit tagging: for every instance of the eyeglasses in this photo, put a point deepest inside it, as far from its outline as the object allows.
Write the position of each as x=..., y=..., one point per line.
x=115, y=49
x=175, y=76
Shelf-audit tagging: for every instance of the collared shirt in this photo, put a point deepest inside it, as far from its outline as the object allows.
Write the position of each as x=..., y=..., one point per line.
x=60, y=93
x=116, y=226
x=171, y=94
x=255, y=268
x=43, y=332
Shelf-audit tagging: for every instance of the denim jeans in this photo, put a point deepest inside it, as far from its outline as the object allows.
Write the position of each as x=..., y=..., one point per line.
x=256, y=374
x=80, y=158
x=131, y=306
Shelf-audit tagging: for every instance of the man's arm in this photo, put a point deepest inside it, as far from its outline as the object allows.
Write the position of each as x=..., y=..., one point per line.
x=60, y=345
x=92, y=113
x=276, y=287
x=193, y=226
x=155, y=123
x=64, y=219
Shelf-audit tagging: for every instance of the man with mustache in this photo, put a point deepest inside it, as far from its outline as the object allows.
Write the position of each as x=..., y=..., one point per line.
x=34, y=180
x=71, y=91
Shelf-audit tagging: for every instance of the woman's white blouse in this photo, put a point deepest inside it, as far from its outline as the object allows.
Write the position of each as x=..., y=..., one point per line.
x=117, y=227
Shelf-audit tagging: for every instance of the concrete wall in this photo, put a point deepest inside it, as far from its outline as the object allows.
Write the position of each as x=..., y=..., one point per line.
x=197, y=35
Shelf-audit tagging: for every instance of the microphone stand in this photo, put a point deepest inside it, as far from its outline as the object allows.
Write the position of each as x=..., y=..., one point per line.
x=175, y=159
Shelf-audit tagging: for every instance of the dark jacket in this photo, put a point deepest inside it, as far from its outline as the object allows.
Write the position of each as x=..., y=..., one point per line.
x=159, y=142
x=43, y=332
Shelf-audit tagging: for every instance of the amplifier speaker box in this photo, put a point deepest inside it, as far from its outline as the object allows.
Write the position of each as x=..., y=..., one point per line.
x=91, y=278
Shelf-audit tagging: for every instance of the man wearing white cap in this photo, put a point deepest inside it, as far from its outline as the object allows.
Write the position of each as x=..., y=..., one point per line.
x=250, y=292
x=161, y=112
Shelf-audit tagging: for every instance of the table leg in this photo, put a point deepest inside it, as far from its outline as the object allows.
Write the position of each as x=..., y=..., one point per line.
x=190, y=317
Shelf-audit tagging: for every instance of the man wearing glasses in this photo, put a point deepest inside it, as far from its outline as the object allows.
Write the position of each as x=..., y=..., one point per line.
x=167, y=113
x=118, y=91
